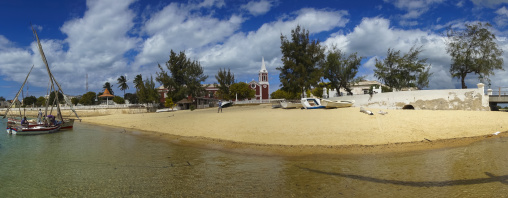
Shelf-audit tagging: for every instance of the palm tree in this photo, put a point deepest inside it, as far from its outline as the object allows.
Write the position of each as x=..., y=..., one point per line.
x=108, y=86
x=138, y=81
x=122, y=84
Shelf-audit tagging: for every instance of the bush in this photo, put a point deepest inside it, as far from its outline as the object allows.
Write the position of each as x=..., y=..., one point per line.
x=118, y=100
x=192, y=107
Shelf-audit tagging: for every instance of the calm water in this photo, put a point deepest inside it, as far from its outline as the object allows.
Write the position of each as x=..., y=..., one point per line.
x=93, y=161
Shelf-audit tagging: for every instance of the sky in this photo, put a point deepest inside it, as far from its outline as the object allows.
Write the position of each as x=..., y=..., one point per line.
x=104, y=39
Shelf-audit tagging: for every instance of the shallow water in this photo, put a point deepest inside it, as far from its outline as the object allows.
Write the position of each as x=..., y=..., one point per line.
x=96, y=161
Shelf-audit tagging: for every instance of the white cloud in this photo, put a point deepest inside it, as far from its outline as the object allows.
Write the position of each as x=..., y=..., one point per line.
x=258, y=7
x=488, y=3
x=414, y=8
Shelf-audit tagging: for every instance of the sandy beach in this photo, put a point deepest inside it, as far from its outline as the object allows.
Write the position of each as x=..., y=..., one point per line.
x=295, y=131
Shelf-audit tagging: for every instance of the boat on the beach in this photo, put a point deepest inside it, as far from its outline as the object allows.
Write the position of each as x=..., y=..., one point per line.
x=331, y=104
x=276, y=103
x=226, y=104
x=312, y=103
x=290, y=104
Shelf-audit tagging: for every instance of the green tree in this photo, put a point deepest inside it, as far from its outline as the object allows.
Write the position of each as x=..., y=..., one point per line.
x=169, y=103
x=341, y=70
x=132, y=98
x=300, y=59
x=242, y=90
x=147, y=92
x=29, y=101
x=75, y=101
x=2, y=99
x=184, y=77
x=398, y=71
x=138, y=81
x=41, y=101
x=52, y=98
x=88, y=98
x=473, y=50
x=118, y=100
x=281, y=94
x=225, y=80
x=108, y=86
x=122, y=84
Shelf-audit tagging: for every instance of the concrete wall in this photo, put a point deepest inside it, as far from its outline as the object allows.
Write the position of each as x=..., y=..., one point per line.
x=448, y=99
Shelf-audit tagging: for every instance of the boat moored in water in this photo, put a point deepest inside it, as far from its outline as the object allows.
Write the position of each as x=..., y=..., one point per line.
x=23, y=130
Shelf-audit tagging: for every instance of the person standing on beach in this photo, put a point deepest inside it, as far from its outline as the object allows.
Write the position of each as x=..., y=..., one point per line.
x=220, y=107
x=39, y=117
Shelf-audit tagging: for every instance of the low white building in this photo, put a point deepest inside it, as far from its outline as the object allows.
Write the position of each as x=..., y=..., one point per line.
x=360, y=88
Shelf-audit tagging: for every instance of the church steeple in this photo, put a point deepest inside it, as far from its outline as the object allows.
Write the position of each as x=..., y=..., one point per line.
x=263, y=73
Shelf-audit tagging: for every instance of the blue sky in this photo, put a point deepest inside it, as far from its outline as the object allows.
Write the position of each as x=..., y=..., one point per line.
x=109, y=38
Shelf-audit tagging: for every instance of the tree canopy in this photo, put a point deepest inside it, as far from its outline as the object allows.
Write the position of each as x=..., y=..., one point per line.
x=341, y=70
x=225, y=80
x=184, y=77
x=399, y=72
x=88, y=98
x=30, y=100
x=242, y=91
x=122, y=84
x=473, y=50
x=147, y=92
x=300, y=58
x=108, y=86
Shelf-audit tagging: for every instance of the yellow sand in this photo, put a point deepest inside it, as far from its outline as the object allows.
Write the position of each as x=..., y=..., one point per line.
x=261, y=124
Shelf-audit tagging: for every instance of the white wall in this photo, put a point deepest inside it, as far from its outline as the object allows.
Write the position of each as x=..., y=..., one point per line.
x=448, y=99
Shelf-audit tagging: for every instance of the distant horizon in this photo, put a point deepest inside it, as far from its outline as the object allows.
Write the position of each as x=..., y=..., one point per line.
x=109, y=38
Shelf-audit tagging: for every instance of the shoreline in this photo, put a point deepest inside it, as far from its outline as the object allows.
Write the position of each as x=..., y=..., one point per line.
x=237, y=129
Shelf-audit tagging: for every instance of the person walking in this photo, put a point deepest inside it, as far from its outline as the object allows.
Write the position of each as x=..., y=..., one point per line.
x=39, y=117
x=220, y=107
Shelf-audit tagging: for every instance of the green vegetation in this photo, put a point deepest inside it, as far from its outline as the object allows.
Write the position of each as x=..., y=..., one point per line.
x=108, y=86
x=169, y=103
x=184, y=77
x=41, y=101
x=225, y=80
x=341, y=70
x=29, y=101
x=281, y=94
x=398, y=71
x=241, y=90
x=301, y=58
x=75, y=101
x=118, y=100
x=473, y=50
x=88, y=98
x=122, y=84
x=132, y=98
x=52, y=98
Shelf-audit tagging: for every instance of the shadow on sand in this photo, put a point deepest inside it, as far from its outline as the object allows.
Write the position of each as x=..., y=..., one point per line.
x=491, y=178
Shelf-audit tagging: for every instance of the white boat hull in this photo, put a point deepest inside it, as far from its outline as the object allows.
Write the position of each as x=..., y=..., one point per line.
x=290, y=105
x=329, y=104
x=19, y=130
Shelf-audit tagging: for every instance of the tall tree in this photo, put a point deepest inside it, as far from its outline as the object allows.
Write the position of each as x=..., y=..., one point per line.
x=184, y=77
x=300, y=58
x=398, y=71
x=122, y=84
x=88, y=98
x=225, y=80
x=473, y=50
x=341, y=70
x=108, y=86
x=138, y=81
x=147, y=92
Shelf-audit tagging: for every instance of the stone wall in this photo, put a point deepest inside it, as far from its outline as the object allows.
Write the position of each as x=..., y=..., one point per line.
x=448, y=99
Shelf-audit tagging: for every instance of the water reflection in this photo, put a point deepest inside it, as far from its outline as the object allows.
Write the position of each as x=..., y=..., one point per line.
x=94, y=161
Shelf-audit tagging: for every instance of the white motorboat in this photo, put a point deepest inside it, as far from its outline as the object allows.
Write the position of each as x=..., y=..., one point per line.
x=312, y=103
x=23, y=130
x=330, y=104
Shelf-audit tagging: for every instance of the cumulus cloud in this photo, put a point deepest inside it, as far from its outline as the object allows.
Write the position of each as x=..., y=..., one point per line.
x=488, y=3
x=414, y=8
x=258, y=7
x=362, y=41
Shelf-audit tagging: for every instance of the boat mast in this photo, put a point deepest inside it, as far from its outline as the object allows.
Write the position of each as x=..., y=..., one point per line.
x=17, y=95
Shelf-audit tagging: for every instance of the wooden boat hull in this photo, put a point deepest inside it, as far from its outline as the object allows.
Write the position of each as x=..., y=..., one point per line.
x=311, y=103
x=19, y=130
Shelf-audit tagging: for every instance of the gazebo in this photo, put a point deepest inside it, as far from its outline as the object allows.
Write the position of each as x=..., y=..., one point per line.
x=106, y=95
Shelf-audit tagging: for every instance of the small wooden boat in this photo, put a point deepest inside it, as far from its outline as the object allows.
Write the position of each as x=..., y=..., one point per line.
x=23, y=130
x=290, y=105
x=330, y=104
x=312, y=103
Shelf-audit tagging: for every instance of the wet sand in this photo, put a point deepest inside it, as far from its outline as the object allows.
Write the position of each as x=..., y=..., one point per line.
x=262, y=129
